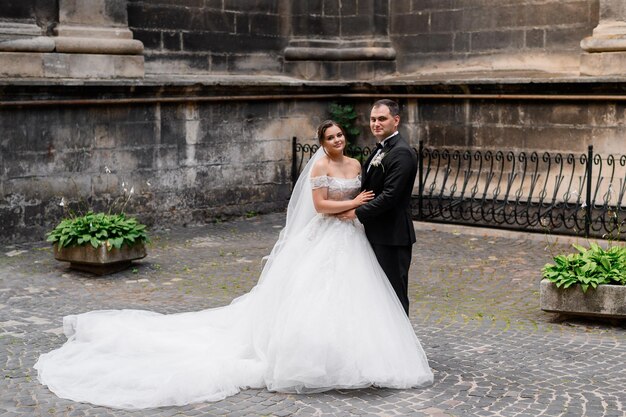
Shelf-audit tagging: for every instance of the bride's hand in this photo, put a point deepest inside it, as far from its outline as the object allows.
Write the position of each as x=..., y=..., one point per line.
x=363, y=198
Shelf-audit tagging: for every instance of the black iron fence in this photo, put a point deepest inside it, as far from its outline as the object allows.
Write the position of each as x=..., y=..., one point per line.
x=560, y=193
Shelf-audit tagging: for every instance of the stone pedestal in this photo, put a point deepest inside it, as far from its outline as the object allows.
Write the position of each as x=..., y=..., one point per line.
x=605, y=50
x=92, y=40
x=333, y=59
x=350, y=42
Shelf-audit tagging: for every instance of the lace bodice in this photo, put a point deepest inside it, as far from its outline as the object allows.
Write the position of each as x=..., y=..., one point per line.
x=339, y=189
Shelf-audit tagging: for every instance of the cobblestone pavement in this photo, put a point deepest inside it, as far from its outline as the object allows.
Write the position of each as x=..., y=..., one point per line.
x=475, y=307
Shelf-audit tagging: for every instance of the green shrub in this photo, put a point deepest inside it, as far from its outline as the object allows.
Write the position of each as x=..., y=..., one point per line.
x=112, y=230
x=346, y=116
x=589, y=267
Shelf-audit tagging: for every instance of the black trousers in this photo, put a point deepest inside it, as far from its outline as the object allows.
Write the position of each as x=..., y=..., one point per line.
x=395, y=261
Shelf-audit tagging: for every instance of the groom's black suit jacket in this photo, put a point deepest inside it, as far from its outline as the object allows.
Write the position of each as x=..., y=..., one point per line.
x=387, y=218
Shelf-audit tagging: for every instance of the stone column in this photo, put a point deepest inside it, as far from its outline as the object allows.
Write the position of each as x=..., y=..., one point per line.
x=346, y=39
x=92, y=40
x=605, y=50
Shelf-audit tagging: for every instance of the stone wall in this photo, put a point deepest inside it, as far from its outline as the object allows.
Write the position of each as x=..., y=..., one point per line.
x=202, y=158
x=204, y=132
x=440, y=35
x=224, y=36
x=349, y=39
x=553, y=126
x=185, y=162
x=44, y=13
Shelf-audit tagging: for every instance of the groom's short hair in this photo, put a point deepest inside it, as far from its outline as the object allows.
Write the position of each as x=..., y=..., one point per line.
x=394, y=108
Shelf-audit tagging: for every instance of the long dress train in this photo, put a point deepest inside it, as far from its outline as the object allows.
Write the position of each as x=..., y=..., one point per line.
x=322, y=316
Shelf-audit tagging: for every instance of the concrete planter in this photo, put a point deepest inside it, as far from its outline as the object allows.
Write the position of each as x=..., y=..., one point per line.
x=100, y=260
x=605, y=301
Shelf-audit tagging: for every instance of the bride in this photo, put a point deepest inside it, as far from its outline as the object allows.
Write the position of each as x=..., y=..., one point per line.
x=322, y=316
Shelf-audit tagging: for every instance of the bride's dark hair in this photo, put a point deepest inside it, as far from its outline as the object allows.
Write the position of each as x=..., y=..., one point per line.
x=321, y=129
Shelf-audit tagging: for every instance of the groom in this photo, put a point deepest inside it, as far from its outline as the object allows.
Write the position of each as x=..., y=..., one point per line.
x=389, y=172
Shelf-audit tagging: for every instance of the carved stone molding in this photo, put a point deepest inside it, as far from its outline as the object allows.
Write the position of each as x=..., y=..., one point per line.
x=92, y=40
x=23, y=37
x=340, y=50
x=345, y=40
x=605, y=50
x=95, y=26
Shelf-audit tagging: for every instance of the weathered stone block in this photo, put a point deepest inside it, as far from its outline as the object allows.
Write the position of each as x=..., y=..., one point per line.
x=443, y=21
x=155, y=17
x=499, y=137
x=223, y=42
x=476, y=19
x=186, y=3
x=126, y=66
x=97, y=12
x=56, y=65
x=379, y=7
x=497, y=40
x=461, y=42
x=10, y=217
x=400, y=7
x=90, y=66
x=242, y=24
x=315, y=25
x=265, y=24
x=214, y=21
x=354, y=26
x=451, y=112
x=605, y=301
x=409, y=24
x=245, y=64
x=535, y=38
x=213, y=4
x=151, y=39
x=566, y=37
x=21, y=64
x=433, y=42
x=511, y=16
x=603, y=63
x=255, y=6
x=18, y=9
x=331, y=7
x=430, y=4
x=380, y=25
x=173, y=63
x=307, y=7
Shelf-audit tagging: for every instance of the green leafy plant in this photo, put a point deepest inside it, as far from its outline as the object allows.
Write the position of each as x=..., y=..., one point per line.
x=112, y=230
x=589, y=267
x=346, y=116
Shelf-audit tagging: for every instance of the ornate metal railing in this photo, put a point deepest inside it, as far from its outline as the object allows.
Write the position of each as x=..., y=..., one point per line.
x=560, y=193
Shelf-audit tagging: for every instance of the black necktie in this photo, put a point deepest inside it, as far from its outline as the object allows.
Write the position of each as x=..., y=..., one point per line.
x=379, y=146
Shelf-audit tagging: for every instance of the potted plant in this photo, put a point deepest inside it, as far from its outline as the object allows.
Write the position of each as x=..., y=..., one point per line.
x=591, y=282
x=100, y=243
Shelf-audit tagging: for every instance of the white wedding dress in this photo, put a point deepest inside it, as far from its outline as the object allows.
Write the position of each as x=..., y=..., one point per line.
x=322, y=316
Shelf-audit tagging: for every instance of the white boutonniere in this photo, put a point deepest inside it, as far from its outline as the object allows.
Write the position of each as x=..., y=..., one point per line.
x=378, y=161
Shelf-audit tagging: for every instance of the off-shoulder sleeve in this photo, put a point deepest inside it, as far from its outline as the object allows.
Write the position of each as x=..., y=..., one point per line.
x=319, y=182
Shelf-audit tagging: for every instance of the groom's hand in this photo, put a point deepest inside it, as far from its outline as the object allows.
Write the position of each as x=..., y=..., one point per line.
x=347, y=215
